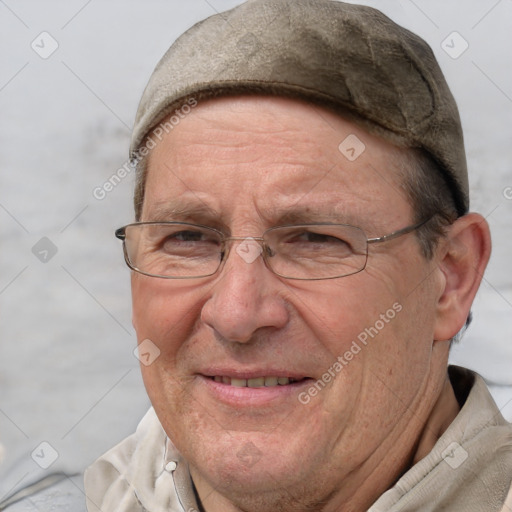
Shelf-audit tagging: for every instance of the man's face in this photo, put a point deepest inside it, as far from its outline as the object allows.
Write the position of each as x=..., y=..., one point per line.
x=243, y=165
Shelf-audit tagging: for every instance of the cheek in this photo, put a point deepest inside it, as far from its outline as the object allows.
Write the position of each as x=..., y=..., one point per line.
x=338, y=311
x=374, y=328
x=166, y=314
x=163, y=311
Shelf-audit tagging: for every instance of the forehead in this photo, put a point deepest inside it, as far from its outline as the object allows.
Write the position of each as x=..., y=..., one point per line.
x=272, y=155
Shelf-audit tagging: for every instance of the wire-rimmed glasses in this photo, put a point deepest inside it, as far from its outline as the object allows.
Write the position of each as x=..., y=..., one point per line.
x=181, y=250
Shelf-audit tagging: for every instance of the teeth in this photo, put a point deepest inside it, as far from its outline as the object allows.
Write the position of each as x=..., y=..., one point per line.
x=271, y=381
x=257, y=382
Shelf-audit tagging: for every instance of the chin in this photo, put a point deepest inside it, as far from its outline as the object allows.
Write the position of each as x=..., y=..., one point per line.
x=246, y=461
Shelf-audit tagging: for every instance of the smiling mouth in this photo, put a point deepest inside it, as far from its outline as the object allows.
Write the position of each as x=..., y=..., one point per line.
x=257, y=382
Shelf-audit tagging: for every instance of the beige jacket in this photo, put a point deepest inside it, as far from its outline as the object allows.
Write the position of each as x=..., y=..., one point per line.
x=468, y=470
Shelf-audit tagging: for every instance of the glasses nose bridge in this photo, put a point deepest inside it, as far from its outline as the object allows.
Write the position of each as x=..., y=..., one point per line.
x=243, y=238
x=226, y=241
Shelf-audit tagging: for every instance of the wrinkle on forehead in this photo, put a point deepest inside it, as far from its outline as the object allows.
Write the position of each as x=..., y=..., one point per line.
x=274, y=160
x=200, y=212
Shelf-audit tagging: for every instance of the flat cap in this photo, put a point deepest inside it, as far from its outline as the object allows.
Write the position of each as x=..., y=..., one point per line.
x=349, y=58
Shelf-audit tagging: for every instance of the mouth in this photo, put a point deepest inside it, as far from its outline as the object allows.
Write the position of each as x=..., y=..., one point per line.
x=257, y=382
x=246, y=390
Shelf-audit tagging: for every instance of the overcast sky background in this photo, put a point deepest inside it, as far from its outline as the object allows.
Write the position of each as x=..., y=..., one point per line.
x=67, y=372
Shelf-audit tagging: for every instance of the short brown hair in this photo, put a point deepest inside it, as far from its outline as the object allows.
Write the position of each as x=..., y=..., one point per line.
x=429, y=195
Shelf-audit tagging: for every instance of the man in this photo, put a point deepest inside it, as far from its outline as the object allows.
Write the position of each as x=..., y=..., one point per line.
x=302, y=259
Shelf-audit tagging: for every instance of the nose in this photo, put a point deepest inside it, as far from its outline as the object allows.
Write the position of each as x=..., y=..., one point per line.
x=246, y=296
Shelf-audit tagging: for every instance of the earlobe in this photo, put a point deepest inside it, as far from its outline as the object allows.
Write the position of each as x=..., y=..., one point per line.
x=465, y=254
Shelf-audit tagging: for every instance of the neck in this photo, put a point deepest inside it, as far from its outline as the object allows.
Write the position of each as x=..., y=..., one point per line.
x=444, y=412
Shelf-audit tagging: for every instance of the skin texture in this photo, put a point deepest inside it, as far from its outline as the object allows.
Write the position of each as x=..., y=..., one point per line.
x=239, y=164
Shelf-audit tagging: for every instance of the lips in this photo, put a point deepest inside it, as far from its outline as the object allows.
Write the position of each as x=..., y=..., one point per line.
x=256, y=382
x=252, y=389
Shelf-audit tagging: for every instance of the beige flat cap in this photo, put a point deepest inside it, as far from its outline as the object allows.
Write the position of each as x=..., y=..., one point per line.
x=350, y=58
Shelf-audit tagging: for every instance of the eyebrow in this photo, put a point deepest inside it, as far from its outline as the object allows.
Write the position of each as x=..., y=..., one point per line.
x=182, y=211
x=201, y=213
x=305, y=215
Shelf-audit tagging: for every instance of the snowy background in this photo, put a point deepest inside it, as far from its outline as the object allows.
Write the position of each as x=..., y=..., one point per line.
x=67, y=373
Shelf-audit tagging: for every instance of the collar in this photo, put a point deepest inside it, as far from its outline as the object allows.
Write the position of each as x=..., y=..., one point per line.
x=175, y=464
x=470, y=466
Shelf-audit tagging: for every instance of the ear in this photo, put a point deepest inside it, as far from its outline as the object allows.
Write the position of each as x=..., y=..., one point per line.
x=462, y=260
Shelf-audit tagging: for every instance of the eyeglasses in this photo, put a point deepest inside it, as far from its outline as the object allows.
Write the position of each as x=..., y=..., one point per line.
x=179, y=250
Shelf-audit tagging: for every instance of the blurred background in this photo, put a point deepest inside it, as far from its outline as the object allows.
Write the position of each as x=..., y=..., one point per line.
x=71, y=75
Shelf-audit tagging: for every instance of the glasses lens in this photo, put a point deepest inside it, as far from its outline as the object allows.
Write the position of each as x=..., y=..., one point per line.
x=320, y=251
x=173, y=249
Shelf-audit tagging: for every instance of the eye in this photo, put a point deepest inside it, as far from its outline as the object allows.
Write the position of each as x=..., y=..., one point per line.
x=314, y=238
x=188, y=236
x=312, y=242
x=180, y=240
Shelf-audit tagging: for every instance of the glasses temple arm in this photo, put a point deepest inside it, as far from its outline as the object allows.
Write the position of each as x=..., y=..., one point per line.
x=398, y=233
